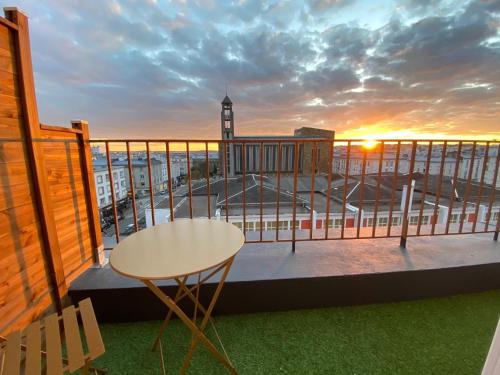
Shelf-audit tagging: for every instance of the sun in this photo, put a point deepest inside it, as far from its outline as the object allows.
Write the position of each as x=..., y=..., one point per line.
x=369, y=144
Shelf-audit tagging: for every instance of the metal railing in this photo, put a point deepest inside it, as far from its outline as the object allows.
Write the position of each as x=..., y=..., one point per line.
x=348, y=188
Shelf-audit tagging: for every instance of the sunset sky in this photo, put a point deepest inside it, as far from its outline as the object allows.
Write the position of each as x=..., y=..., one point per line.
x=159, y=69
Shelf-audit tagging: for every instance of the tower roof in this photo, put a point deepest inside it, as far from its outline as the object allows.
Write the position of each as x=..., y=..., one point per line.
x=226, y=100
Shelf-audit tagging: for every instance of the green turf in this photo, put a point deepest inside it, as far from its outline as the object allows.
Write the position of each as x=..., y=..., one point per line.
x=435, y=336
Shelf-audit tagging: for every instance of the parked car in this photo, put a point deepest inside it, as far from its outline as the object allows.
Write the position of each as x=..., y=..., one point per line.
x=129, y=229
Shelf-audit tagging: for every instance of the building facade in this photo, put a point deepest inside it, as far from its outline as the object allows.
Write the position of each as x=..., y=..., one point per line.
x=103, y=188
x=245, y=157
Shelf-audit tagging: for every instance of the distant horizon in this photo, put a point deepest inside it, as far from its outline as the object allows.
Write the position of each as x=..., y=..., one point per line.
x=406, y=69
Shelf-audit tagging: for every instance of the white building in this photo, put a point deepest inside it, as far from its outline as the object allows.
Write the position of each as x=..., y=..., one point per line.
x=103, y=188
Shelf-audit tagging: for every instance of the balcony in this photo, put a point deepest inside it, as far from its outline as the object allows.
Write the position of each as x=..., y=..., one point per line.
x=357, y=259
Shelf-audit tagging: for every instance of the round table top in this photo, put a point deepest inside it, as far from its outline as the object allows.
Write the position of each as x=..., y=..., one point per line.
x=178, y=248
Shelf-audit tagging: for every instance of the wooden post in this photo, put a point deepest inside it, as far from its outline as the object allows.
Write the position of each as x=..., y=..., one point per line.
x=90, y=192
x=31, y=127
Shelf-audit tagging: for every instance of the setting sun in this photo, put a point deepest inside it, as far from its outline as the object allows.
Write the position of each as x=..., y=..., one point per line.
x=369, y=144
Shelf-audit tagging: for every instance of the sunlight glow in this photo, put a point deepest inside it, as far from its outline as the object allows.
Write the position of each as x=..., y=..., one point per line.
x=370, y=144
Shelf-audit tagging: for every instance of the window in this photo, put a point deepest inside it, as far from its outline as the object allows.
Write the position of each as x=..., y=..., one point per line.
x=271, y=225
x=257, y=225
x=122, y=174
x=495, y=216
x=283, y=225
x=238, y=224
x=297, y=224
x=99, y=179
x=383, y=221
x=395, y=221
x=369, y=222
x=249, y=226
x=116, y=185
x=337, y=223
x=102, y=202
x=107, y=177
x=425, y=220
x=115, y=175
x=101, y=190
x=123, y=184
x=455, y=218
x=413, y=220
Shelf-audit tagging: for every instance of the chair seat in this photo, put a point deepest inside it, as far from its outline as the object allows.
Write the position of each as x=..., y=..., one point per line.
x=40, y=345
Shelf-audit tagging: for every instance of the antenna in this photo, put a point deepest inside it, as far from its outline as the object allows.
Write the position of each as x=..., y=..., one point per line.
x=226, y=89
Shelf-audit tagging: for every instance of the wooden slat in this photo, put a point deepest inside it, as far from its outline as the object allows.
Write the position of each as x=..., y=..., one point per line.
x=7, y=63
x=73, y=340
x=91, y=328
x=12, y=360
x=53, y=345
x=31, y=128
x=33, y=349
x=8, y=83
x=492, y=363
x=6, y=39
x=26, y=316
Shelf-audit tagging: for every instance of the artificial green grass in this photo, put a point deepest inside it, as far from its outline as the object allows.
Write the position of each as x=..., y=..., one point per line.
x=435, y=336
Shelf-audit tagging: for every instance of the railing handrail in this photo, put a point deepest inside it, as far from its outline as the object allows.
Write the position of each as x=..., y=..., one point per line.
x=300, y=156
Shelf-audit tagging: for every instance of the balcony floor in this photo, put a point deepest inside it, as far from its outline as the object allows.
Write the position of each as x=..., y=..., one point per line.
x=269, y=277
x=449, y=335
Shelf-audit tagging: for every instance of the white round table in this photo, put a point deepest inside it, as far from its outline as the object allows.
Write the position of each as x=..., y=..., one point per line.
x=177, y=250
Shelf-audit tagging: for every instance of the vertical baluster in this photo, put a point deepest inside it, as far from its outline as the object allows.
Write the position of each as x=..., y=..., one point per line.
x=480, y=189
x=394, y=187
x=112, y=188
x=467, y=187
x=151, y=194
x=132, y=187
x=453, y=187
x=169, y=175
x=408, y=197
x=261, y=186
x=424, y=192
x=295, y=173
x=243, y=181
x=207, y=171
x=311, y=196
x=361, y=193
x=190, y=192
x=438, y=192
x=329, y=188
x=278, y=178
x=344, y=196
x=377, y=191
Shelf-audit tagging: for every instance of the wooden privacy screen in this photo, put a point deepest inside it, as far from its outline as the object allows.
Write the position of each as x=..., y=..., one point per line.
x=49, y=228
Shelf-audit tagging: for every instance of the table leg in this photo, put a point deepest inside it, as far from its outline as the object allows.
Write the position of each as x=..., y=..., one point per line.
x=197, y=333
x=179, y=296
x=168, y=317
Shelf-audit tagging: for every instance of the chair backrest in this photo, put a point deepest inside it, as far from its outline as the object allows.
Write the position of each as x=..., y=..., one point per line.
x=492, y=364
x=24, y=351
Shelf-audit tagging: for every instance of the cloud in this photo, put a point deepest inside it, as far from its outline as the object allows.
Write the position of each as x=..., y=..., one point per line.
x=146, y=68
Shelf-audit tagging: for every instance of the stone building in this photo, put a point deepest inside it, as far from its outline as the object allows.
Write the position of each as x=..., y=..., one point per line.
x=238, y=162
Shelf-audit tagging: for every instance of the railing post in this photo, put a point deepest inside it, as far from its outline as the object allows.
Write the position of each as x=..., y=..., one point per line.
x=31, y=125
x=404, y=228
x=90, y=192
